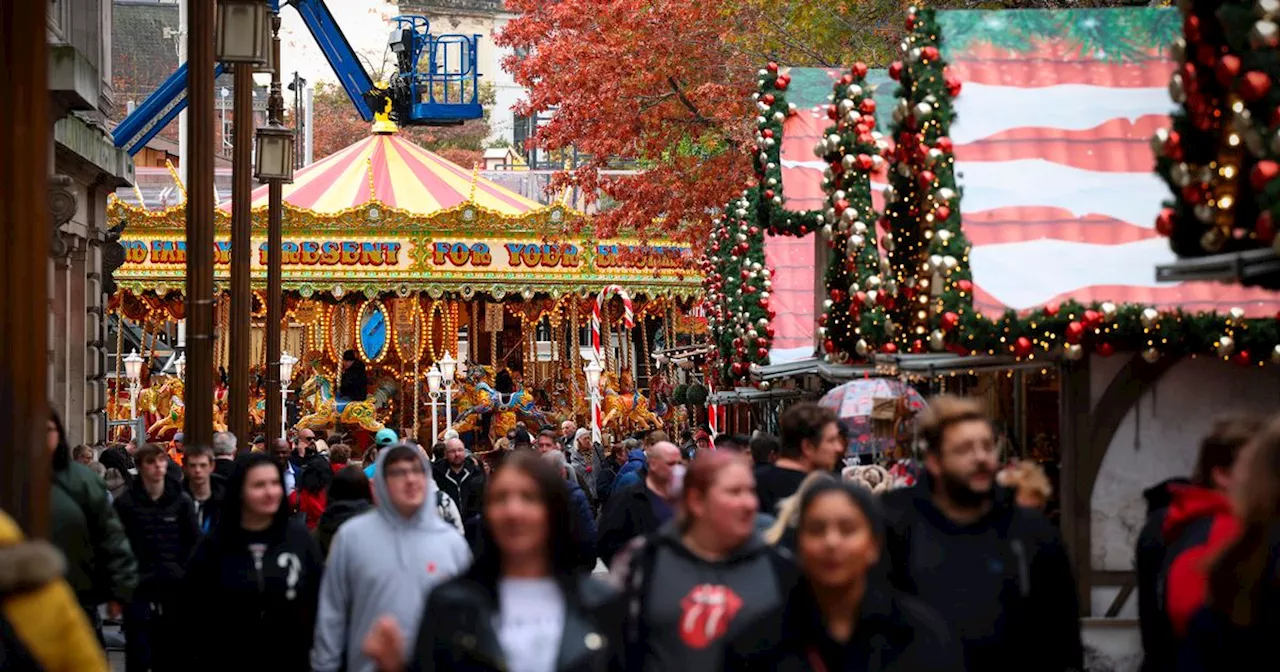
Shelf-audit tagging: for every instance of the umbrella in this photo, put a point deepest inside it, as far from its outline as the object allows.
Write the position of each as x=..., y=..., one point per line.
x=853, y=402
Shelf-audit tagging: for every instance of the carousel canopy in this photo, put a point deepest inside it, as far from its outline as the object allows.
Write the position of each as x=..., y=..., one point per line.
x=394, y=172
x=386, y=216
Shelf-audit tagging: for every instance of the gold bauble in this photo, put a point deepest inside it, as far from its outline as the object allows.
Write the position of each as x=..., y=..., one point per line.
x=1151, y=355
x=1149, y=317
x=937, y=340
x=1073, y=351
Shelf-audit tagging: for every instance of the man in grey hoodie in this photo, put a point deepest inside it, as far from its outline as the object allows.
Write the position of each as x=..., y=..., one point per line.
x=385, y=561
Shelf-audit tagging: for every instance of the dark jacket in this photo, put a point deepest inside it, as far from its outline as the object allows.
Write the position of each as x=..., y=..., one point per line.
x=271, y=603
x=1198, y=525
x=207, y=514
x=353, y=385
x=608, y=473
x=85, y=527
x=162, y=532
x=631, y=471
x=1019, y=603
x=335, y=514
x=223, y=468
x=584, y=528
x=457, y=633
x=627, y=515
x=1150, y=552
x=466, y=488
x=893, y=633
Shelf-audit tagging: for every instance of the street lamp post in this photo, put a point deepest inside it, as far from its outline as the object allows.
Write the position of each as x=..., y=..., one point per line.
x=275, y=167
x=198, y=427
x=286, y=374
x=448, y=369
x=433, y=391
x=133, y=369
x=593, y=371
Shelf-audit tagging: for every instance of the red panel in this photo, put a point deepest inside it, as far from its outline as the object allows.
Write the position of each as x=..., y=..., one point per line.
x=1116, y=146
x=1051, y=63
x=1189, y=296
x=792, y=296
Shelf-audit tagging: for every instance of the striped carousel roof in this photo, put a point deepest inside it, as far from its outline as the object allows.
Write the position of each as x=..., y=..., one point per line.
x=395, y=172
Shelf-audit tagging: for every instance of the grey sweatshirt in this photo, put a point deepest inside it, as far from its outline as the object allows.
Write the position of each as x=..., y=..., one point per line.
x=381, y=563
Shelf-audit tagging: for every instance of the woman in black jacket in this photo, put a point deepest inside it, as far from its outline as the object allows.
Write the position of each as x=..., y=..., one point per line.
x=258, y=573
x=842, y=616
x=349, y=496
x=522, y=606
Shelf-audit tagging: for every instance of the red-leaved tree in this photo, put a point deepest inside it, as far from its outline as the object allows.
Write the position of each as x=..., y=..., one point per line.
x=655, y=83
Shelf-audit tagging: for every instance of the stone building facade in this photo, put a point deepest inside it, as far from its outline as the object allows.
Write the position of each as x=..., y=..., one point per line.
x=86, y=169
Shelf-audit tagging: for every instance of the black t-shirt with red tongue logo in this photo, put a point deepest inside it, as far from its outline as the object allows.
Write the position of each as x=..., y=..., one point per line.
x=691, y=607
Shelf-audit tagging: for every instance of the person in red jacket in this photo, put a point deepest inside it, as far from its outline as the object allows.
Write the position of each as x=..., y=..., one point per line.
x=1200, y=521
x=310, y=497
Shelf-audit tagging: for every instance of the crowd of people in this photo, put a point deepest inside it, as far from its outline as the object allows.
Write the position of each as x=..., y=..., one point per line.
x=733, y=553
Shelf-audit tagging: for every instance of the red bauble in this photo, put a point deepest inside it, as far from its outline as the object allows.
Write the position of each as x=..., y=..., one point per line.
x=860, y=298
x=1193, y=194
x=840, y=206
x=738, y=368
x=1022, y=346
x=867, y=106
x=1227, y=68
x=1191, y=28
x=1092, y=318
x=1106, y=349
x=837, y=295
x=950, y=320
x=927, y=177
x=964, y=285
x=1262, y=174
x=755, y=230
x=854, y=310
x=1265, y=228
x=865, y=138
x=822, y=320
x=953, y=86
x=762, y=352
x=737, y=343
x=768, y=193
x=1051, y=309
x=917, y=346
x=865, y=162
x=832, y=112
x=829, y=345
x=929, y=53
x=942, y=213
x=860, y=69
x=1243, y=358
x=1164, y=222
x=846, y=79
x=911, y=22
x=1075, y=332
x=780, y=84
x=895, y=70
x=773, y=67
x=768, y=100
x=889, y=348
x=1173, y=146
x=944, y=145
x=764, y=303
x=1254, y=86
x=768, y=133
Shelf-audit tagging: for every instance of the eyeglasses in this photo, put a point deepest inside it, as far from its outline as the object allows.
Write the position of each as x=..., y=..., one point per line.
x=405, y=472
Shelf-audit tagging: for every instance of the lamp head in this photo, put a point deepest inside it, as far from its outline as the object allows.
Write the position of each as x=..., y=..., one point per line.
x=133, y=366
x=593, y=371
x=433, y=381
x=448, y=367
x=287, y=362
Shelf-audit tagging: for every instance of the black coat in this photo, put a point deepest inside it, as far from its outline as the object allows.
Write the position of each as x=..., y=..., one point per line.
x=271, y=612
x=893, y=633
x=628, y=514
x=457, y=634
x=1032, y=613
x=337, y=512
x=1150, y=555
x=467, y=492
x=162, y=533
x=353, y=385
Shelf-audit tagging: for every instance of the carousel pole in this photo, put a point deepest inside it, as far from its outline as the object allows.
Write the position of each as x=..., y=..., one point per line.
x=198, y=428
x=275, y=289
x=241, y=233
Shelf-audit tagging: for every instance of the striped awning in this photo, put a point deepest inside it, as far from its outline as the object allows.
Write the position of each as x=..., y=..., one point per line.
x=396, y=173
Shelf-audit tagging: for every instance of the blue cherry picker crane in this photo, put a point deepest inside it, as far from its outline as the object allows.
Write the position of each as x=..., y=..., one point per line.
x=436, y=83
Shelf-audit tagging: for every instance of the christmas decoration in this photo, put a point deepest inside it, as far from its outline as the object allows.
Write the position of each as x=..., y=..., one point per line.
x=853, y=312
x=927, y=248
x=772, y=111
x=738, y=291
x=1218, y=155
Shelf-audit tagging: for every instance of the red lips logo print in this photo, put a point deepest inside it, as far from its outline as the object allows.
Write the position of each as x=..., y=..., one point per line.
x=705, y=614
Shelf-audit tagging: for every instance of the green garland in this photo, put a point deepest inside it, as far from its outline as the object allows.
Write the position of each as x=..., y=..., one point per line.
x=853, y=318
x=738, y=292
x=773, y=110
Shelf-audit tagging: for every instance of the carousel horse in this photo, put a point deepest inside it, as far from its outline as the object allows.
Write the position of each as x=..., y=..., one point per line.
x=326, y=412
x=478, y=399
x=626, y=405
x=567, y=390
x=166, y=402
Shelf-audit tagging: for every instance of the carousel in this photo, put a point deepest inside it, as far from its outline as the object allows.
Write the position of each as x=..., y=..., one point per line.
x=467, y=305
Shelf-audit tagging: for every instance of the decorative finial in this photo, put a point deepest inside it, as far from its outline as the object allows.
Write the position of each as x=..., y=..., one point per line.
x=173, y=172
x=382, y=124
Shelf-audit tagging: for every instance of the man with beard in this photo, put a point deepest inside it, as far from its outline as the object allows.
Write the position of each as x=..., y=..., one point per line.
x=998, y=573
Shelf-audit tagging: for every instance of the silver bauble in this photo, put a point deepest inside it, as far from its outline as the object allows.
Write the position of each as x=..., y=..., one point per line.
x=923, y=110
x=1158, y=139
x=1177, y=89
x=1150, y=316
x=937, y=340
x=1073, y=351
x=1226, y=345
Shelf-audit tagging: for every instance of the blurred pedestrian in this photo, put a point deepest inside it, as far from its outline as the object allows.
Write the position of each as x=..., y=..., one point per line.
x=349, y=496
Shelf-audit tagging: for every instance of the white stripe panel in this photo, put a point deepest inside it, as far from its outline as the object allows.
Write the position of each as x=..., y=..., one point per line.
x=983, y=110
x=788, y=355
x=1027, y=274
x=1130, y=197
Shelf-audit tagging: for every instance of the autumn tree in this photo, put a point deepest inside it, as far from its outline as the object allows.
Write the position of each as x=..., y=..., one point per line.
x=337, y=125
